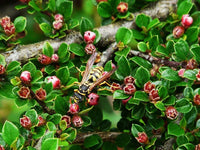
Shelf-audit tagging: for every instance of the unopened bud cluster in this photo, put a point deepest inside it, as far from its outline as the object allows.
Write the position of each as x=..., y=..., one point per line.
x=89, y=38
x=7, y=25
x=59, y=21
x=46, y=60
x=153, y=93
x=25, y=122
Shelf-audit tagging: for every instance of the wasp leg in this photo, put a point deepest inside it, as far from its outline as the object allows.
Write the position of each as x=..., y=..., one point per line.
x=104, y=82
x=82, y=72
x=102, y=89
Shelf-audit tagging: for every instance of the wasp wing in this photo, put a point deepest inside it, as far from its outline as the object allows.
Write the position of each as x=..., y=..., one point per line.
x=104, y=77
x=88, y=67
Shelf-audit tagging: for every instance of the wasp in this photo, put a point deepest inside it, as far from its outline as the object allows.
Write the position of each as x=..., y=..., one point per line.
x=91, y=78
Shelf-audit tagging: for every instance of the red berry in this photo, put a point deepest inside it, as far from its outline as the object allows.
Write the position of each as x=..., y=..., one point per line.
x=197, y=147
x=25, y=77
x=77, y=121
x=122, y=7
x=113, y=66
x=129, y=88
x=9, y=29
x=24, y=92
x=191, y=64
x=41, y=94
x=126, y=100
x=41, y=121
x=59, y=17
x=104, y=73
x=2, y=69
x=55, y=81
x=25, y=122
x=148, y=87
x=181, y=72
x=90, y=48
x=45, y=60
x=142, y=138
x=93, y=99
x=198, y=75
x=89, y=36
x=178, y=31
x=24, y=1
x=74, y=108
x=171, y=112
x=129, y=79
x=153, y=95
x=186, y=21
x=55, y=58
x=115, y=86
x=67, y=120
x=57, y=25
x=196, y=99
x=5, y=21
x=1, y=147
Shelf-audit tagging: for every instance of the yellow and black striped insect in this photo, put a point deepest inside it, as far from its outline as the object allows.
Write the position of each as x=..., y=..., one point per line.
x=91, y=78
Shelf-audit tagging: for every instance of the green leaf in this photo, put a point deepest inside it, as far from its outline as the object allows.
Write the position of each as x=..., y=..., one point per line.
x=141, y=96
x=63, y=74
x=39, y=132
x=61, y=105
x=98, y=36
x=75, y=147
x=135, y=129
x=123, y=66
x=142, y=46
x=93, y=141
x=20, y=24
x=154, y=42
x=196, y=52
x=141, y=62
x=2, y=142
x=87, y=121
x=50, y=144
x=119, y=94
x=183, y=105
x=63, y=53
x=10, y=132
x=162, y=50
x=55, y=118
x=51, y=126
x=192, y=34
x=65, y=8
x=174, y=129
x=138, y=35
x=123, y=35
x=105, y=125
x=138, y=112
x=170, y=75
x=77, y=49
x=196, y=18
x=2, y=60
x=52, y=5
x=191, y=115
x=32, y=114
x=153, y=23
x=19, y=7
x=85, y=25
x=37, y=76
x=159, y=105
x=156, y=123
x=184, y=8
x=142, y=76
x=96, y=119
x=181, y=140
x=122, y=140
x=47, y=49
x=46, y=28
x=104, y=9
x=109, y=145
x=29, y=67
x=12, y=66
x=34, y=5
x=190, y=74
x=142, y=20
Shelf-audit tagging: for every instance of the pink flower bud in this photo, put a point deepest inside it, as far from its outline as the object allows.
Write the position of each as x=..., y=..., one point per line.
x=122, y=7
x=1, y=147
x=90, y=49
x=2, y=69
x=41, y=121
x=196, y=99
x=142, y=138
x=153, y=95
x=57, y=25
x=186, y=21
x=178, y=31
x=115, y=86
x=25, y=122
x=129, y=88
x=197, y=147
x=77, y=121
x=55, y=81
x=74, y=108
x=41, y=94
x=55, y=58
x=67, y=119
x=59, y=17
x=198, y=76
x=129, y=79
x=148, y=87
x=9, y=29
x=5, y=21
x=126, y=100
x=181, y=72
x=89, y=36
x=104, y=73
x=45, y=60
x=25, y=77
x=171, y=112
x=93, y=99
x=24, y=92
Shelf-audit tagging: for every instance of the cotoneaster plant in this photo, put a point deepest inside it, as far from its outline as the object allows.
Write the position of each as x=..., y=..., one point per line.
x=151, y=67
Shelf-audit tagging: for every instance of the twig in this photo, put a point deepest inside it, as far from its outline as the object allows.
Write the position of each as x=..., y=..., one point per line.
x=106, y=136
x=22, y=53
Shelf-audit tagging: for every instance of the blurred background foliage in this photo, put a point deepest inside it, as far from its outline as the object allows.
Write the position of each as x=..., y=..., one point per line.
x=82, y=8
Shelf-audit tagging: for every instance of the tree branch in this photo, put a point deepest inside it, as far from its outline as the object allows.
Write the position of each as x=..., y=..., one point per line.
x=22, y=53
